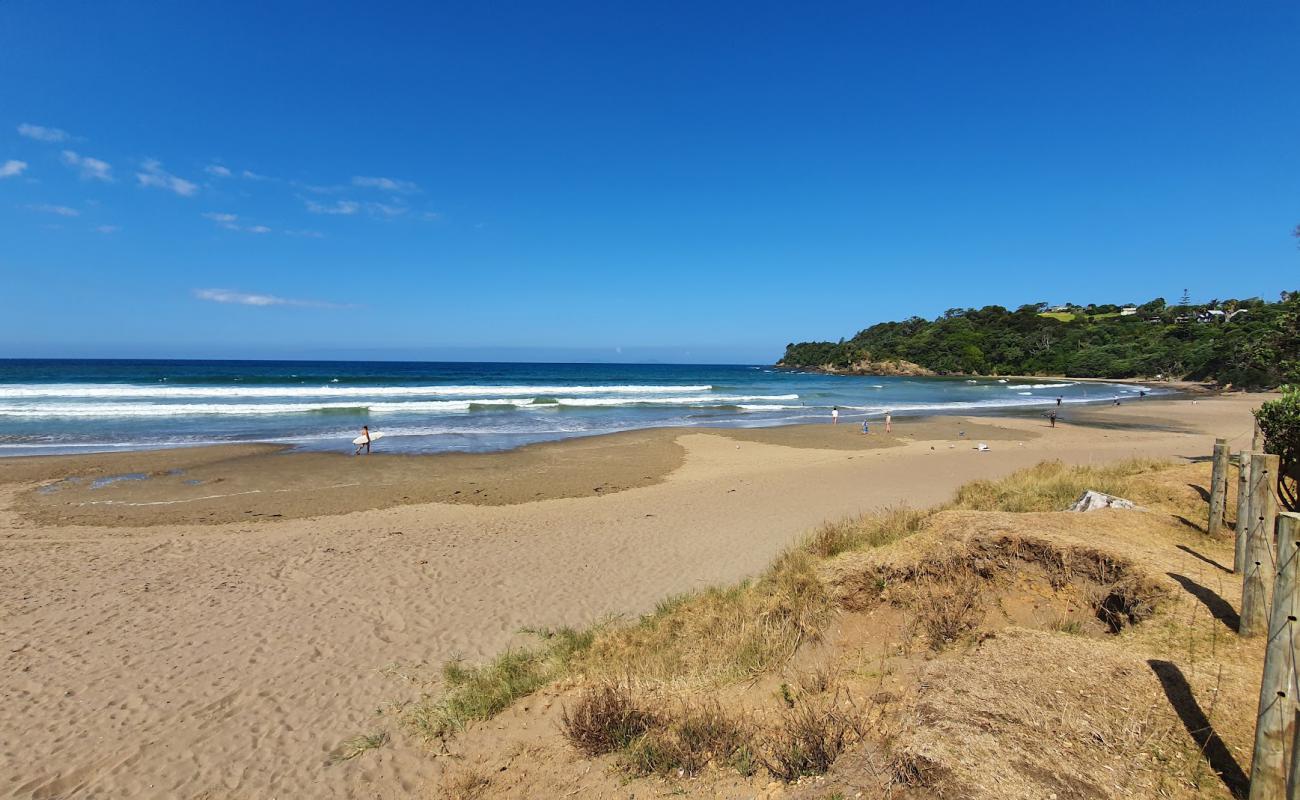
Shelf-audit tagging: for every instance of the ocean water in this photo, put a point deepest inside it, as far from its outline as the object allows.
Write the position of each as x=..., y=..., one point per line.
x=61, y=406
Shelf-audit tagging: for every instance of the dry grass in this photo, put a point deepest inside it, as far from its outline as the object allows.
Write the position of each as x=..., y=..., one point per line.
x=866, y=530
x=465, y=785
x=482, y=692
x=682, y=738
x=357, y=746
x=948, y=610
x=1052, y=486
x=685, y=740
x=719, y=635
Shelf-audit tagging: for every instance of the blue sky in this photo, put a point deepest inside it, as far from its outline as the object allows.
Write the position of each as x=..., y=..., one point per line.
x=613, y=181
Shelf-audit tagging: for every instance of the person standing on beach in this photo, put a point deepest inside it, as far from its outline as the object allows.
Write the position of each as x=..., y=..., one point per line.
x=1058, y=402
x=889, y=422
x=835, y=414
x=365, y=434
x=1051, y=417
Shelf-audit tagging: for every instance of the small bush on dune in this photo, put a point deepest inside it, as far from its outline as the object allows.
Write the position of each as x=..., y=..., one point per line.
x=468, y=785
x=606, y=718
x=948, y=610
x=810, y=735
x=1279, y=421
x=685, y=741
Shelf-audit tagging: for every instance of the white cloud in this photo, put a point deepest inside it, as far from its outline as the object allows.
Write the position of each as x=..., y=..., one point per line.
x=345, y=207
x=107, y=228
x=249, y=175
x=12, y=168
x=251, y=299
x=154, y=175
x=318, y=189
x=62, y=211
x=387, y=184
x=42, y=134
x=381, y=209
x=306, y=234
x=230, y=223
x=91, y=168
x=218, y=170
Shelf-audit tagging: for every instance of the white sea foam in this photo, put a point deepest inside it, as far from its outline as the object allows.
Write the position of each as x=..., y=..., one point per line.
x=1040, y=385
x=137, y=391
x=766, y=407
x=142, y=409
x=715, y=399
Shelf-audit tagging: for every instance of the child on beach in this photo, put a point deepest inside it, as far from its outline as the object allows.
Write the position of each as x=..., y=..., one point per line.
x=835, y=414
x=889, y=422
x=865, y=427
x=365, y=434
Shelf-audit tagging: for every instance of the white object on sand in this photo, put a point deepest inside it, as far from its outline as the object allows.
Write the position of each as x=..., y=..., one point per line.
x=982, y=447
x=1093, y=500
x=373, y=436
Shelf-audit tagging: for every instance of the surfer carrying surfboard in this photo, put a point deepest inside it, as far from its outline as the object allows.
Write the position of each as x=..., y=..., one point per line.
x=363, y=440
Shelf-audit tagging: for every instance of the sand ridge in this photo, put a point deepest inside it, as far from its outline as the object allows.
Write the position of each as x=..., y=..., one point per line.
x=229, y=660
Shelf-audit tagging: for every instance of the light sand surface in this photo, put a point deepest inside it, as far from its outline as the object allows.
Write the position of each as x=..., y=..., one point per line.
x=229, y=659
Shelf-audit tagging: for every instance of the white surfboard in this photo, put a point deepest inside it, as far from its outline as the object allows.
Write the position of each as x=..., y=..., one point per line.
x=373, y=436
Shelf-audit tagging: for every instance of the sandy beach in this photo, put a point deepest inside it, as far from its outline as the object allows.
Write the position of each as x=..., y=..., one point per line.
x=214, y=622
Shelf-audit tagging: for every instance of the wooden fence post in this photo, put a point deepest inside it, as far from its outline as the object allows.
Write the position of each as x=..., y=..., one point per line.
x=1257, y=440
x=1293, y=775
x=1275, y=720
x=1218, y=486
x=1243, y=512
x=1259, y=545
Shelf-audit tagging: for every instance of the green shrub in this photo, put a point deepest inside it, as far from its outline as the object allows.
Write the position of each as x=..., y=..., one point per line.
x=1279, y=421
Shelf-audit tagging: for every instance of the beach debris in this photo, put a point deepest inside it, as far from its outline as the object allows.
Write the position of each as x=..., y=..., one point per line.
x=982, y=447
x=1093, y=500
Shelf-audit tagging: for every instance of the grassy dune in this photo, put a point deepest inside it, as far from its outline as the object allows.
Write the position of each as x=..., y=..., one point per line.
x=827, y=651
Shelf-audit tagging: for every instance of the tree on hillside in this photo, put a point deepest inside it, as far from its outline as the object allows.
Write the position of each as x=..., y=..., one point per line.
x=1153, y=307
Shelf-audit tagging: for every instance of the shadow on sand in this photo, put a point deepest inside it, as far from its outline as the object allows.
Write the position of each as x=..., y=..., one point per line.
x=1221, y=609
x=1205, y=558
x=1198, y=726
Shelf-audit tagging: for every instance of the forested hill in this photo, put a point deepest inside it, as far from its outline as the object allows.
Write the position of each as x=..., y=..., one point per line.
x=1246, y=343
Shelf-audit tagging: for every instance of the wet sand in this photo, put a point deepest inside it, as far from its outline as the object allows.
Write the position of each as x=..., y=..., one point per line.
x=217, y=485
x=227, y=656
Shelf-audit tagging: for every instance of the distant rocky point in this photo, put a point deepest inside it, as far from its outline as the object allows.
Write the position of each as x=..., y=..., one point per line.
x=889, y=367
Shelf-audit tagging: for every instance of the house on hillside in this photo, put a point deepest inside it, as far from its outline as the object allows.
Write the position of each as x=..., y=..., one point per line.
x=1128, y=311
